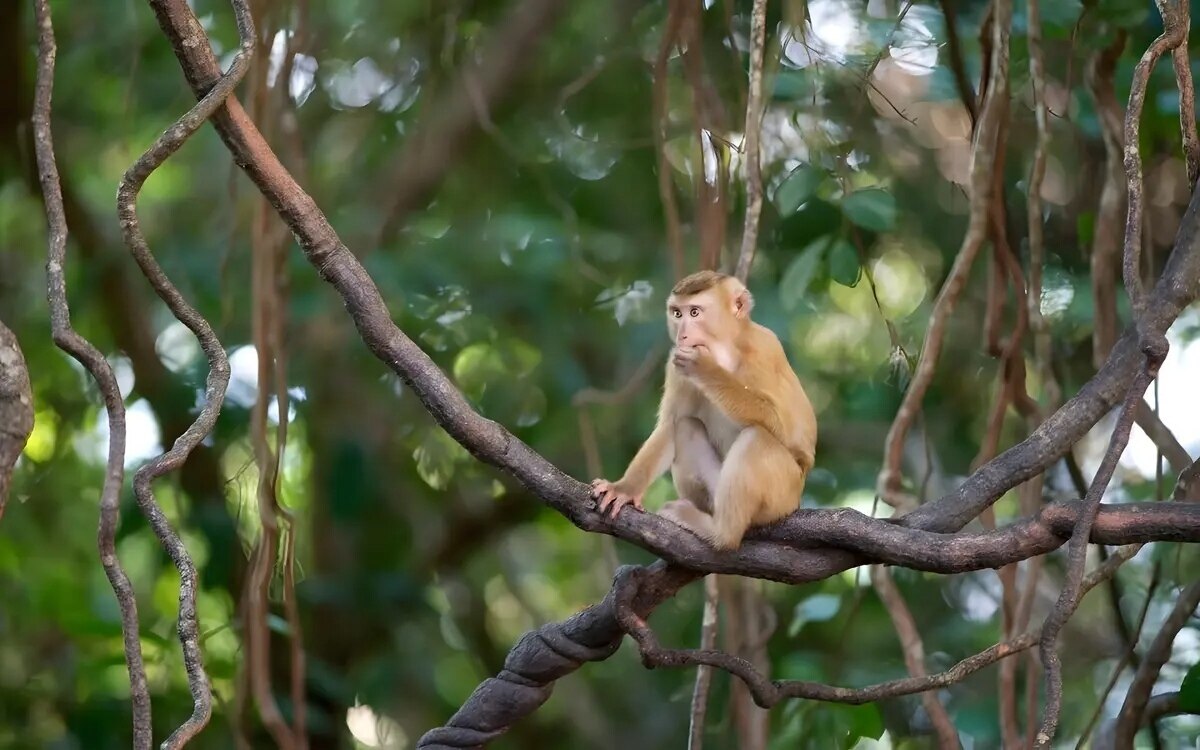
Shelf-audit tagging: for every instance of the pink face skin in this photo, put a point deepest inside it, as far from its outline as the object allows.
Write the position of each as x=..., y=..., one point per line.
x=706, y=319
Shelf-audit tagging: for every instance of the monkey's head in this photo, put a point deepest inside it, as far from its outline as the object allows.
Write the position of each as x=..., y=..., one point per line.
x=708, y=308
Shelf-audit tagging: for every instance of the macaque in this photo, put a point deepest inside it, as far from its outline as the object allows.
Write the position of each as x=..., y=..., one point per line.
x=734, y=425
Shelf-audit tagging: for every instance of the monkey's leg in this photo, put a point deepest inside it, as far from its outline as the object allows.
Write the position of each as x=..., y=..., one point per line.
x=760, y=482
x=697, y=467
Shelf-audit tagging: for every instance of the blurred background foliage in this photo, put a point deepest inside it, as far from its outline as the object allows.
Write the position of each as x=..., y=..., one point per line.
x=538, y=269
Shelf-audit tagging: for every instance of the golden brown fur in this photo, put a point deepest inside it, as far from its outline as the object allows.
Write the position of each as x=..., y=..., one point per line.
x=734, y=425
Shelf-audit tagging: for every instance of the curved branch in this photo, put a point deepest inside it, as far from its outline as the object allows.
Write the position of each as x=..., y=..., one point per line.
x=496, y=446
x=1068, y=598
x=218, y=377
x=552, y=651
x=982, y=159
x=1174, y=34
x=768, y=692
x=70, y=341
x=1131, y=716
x=492, y=444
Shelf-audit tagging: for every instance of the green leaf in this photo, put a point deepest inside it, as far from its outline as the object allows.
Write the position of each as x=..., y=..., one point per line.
x=800, y=273
x=843, y=263
x=1189, y=690
x=437, y=456
x=816, y=608
x=798, y=187
x=865, y=721
x=872, y=209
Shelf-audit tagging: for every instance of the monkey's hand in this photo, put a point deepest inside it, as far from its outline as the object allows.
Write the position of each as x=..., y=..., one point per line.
x=612, y=495
x=693, y=361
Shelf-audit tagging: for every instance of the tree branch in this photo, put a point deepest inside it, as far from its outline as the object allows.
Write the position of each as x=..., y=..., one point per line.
x=913, y=649
x=1174, y=34
x=1130, y=717
x=983, y=157
x=761, y=556
x=70, y=341
x=218, y=378
x=1071, y=592
x=16, y=408
x=753, y=152
x=768, y=692
x=545, y=655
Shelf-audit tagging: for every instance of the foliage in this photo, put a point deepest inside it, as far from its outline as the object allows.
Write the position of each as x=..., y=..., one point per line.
x=536, y=270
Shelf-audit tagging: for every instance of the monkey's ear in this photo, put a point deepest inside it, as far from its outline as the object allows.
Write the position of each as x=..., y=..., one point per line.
x=743, y=302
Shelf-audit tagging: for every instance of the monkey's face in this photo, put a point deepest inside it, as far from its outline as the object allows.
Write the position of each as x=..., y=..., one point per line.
x=705, y=319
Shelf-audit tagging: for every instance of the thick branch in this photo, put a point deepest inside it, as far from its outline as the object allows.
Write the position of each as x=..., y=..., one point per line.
x=547, y=654
x=16, y=408
x=493, y=444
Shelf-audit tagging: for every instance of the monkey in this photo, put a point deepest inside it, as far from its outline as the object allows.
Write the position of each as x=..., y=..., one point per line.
x=734, y=424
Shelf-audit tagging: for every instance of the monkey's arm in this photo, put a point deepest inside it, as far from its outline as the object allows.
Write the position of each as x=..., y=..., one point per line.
x=651, y=460
x=744, y=398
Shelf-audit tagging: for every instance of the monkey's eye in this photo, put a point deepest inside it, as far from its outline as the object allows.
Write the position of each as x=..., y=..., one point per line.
x=695, y=312
x=677, y=313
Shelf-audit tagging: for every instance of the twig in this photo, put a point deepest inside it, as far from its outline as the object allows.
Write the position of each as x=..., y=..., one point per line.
x=708, y=640
x=70, y=341
x=889, y=484
x=913, y=649
x=753, y=150
x=1129, y=657
x=16, y=408
x=769, y=692
x=218, y=378
x=879, y=57
x=266, y=321
x=1129, y=719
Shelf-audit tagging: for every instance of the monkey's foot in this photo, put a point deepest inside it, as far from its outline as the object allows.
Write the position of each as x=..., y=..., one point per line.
x=685, y=513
